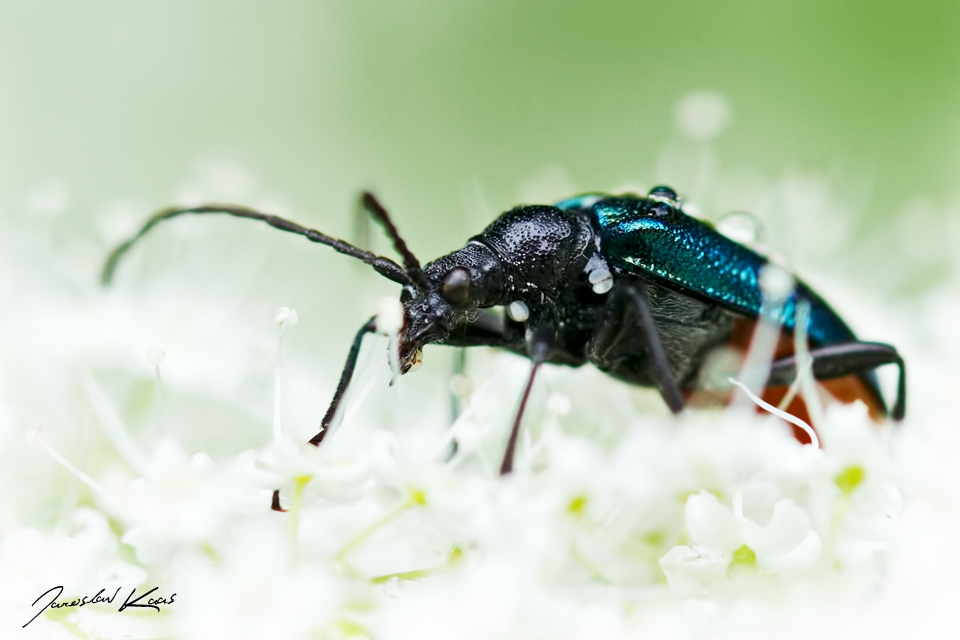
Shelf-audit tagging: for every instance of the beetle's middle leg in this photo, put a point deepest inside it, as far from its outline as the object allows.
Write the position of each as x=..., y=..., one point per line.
x=489, y=330
x=539, y=343
x=628, y=303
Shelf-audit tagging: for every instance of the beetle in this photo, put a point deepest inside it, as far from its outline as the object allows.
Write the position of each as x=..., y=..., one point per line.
x=628, y=283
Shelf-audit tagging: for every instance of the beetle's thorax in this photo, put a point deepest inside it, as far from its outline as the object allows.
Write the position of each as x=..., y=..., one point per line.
x=541, y=249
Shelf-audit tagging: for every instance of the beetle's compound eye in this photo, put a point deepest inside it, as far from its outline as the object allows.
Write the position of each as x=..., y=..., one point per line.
x=456, y=286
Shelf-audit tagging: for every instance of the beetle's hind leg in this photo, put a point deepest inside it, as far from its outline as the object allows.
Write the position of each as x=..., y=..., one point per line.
x=849, y=358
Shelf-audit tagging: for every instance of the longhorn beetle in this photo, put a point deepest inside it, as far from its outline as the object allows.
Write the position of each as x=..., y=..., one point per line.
x=628, y=283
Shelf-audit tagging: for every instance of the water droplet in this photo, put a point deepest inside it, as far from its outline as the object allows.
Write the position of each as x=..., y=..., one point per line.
x=601, y=279
x=742, y=227
x=518, y=311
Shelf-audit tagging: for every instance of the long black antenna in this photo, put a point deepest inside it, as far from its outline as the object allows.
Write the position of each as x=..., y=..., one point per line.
x=384, y=266
x=410, y=263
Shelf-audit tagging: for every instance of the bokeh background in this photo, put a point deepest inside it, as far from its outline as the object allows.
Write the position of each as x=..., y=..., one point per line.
x=430, y=102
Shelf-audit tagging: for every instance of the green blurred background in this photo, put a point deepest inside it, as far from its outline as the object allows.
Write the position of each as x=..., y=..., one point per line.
x=432, y=103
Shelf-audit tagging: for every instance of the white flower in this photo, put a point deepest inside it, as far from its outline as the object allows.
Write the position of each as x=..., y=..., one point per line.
x=252, y=592
x=182, y=501
x=333, y=473
x=32, y=561
x=786, y=544
x=692, y=571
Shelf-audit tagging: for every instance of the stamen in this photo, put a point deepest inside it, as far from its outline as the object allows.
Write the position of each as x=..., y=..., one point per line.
x=112, y=425
x=453, y=431
x=35, y=435
x=738, y=504
x=389, y=322
x=776, y=284
x=808, y=385
x=792, y=419
x=156, y=356
x=389, y=315
x=802, y=369
x=285, y=317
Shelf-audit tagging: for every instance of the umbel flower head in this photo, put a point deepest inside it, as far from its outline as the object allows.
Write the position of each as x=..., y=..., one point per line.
x=617, y=521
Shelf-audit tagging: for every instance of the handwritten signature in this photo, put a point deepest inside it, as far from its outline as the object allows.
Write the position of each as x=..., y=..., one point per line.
x=129, y=603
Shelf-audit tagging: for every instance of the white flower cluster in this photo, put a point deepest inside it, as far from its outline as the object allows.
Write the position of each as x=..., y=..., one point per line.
x=718, y=524
x=386, y=538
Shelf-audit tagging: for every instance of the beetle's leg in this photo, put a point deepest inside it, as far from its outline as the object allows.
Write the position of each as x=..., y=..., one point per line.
x=540, y=343
x=345, y=377
x=637, y=293
x=507, y=465
x=488, y=329
x=629, y=302
x=838, y=360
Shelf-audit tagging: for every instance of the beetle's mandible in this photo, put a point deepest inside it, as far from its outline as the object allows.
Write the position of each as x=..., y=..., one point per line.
x=628, y=283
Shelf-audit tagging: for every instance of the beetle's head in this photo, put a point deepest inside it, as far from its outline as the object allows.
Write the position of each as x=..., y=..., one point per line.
x=454, y=287
x=440, y=298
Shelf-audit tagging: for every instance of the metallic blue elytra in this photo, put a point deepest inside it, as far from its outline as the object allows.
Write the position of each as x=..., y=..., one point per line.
x=652, y=237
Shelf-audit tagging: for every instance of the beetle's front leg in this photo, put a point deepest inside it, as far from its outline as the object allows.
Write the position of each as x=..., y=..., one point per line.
x=342, y=385
x=344, y=382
